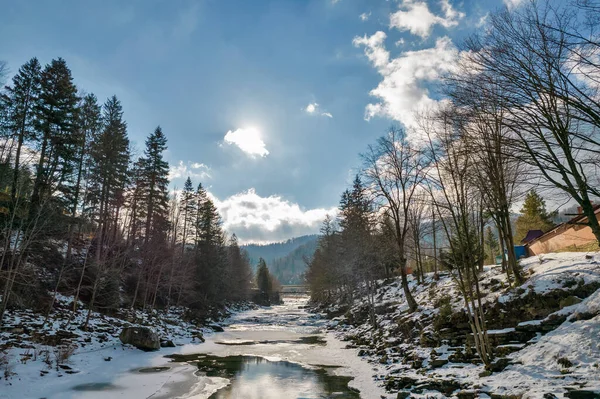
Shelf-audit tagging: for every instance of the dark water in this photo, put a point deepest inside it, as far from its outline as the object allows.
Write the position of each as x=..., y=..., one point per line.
x=254, y=377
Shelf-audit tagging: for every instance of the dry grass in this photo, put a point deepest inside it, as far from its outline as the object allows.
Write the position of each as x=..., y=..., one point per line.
x=590, y=247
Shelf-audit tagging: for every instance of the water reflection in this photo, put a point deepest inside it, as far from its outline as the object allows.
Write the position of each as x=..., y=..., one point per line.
x=257, y=378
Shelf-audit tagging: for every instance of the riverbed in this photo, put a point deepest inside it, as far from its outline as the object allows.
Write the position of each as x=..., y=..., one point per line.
x=273, y=352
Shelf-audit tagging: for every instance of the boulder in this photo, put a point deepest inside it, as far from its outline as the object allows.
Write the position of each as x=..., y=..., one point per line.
x=216, y=328
x=167, y=343
x=142, y=338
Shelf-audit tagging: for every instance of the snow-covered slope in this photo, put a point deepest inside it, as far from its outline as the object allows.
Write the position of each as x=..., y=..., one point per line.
x=546, y=333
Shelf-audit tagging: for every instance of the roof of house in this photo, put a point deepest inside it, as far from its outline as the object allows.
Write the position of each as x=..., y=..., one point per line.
x=563, y=226
x=532, y=235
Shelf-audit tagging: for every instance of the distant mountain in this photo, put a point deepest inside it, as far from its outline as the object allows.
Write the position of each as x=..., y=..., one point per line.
x=291, y=268
x=270, y=252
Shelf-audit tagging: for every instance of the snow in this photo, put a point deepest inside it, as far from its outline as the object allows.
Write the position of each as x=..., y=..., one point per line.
x=538, y=367
x=271, y=333
x=535, y=368
x=99, y=357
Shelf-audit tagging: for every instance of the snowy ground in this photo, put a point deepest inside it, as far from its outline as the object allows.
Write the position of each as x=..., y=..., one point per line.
x=32, y=369
x=272, y=333
x=540, y=367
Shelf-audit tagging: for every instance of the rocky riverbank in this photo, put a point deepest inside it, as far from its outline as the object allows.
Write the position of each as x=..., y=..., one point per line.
x=34, y=350
x=544, y=333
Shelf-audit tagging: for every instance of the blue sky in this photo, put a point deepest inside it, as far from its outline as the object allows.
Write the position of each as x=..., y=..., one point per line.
x=267, y=102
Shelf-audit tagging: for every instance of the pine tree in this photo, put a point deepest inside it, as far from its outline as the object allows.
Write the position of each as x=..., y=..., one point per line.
x=491, y=243
x=210, y=254
x=109, y=170
x=20, y=101
x=57, y=122
x=188, y=208
x=239, y=270
x=156, y=179
x=355, y=242
x=533, y=216
x=151, y=198
x=263, y=280
x=88, y=128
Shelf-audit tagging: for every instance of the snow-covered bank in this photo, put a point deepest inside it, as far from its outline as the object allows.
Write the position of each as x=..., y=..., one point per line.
x=102, y=367
x=91, y=363
x=546, y=334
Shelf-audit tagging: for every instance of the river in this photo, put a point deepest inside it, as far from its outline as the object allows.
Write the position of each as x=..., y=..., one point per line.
x=281, y=352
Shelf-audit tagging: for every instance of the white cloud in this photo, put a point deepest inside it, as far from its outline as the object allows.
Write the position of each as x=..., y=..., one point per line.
x=415, y=17
x=194, y=170
x=483, y=20
x=364, y=16
x=313, y=109
x=403, y=88
x=267, y=219
x=513, y=3
x=248, y=140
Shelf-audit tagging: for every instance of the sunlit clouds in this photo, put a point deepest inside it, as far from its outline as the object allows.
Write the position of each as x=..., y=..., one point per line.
x=249, y=140
x=266, y=219
x=314, y=109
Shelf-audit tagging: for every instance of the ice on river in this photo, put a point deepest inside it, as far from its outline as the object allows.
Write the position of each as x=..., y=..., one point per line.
x=282, y=351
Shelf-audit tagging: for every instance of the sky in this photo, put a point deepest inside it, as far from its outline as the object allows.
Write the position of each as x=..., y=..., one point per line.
x=267, y=103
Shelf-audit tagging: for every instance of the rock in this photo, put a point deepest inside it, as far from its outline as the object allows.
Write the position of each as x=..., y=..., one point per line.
x=403, y=395
x=466, y=394
x=167, y=344
x=582, y=394
x=499, y=365
x=438, y=363
x=485, y=373
x=398, y=383
x=499, y=396
x=198, y=335
x=569, y=301
x=216, y=328
x=141, y=337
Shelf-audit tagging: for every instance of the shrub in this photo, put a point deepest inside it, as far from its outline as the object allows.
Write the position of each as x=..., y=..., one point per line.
x=564, y=362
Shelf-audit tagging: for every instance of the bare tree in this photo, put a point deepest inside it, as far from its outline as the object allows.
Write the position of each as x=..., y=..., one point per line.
x=549, y=95
x=394, y=170
x=456, y=202
x=480, y=112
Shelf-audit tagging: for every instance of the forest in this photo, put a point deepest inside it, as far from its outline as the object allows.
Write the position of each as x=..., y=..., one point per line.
x=522, y=117
x=81, y=216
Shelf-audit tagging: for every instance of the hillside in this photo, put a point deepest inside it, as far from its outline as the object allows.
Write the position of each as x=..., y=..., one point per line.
x=544, y=334
x=270, y=252
x=291, y=268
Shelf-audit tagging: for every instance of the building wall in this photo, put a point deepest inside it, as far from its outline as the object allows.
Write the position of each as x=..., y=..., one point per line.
x=564, y=236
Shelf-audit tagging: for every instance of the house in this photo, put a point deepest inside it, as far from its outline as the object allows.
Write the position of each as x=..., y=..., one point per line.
x=574, y=233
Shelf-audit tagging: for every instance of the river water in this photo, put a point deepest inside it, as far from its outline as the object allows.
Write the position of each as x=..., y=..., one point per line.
x=281, y=352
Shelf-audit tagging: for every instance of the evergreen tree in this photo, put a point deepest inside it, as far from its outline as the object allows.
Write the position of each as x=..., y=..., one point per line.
x=188, y=209
x=90, y=125
x=109, y=170
x=263, y=280
x=20, y=101
x=533, y=216
x=57, y=122
x=155, y=181
x=491, y=243
x=210, y=254
x=355, y=242
x=239, y=271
